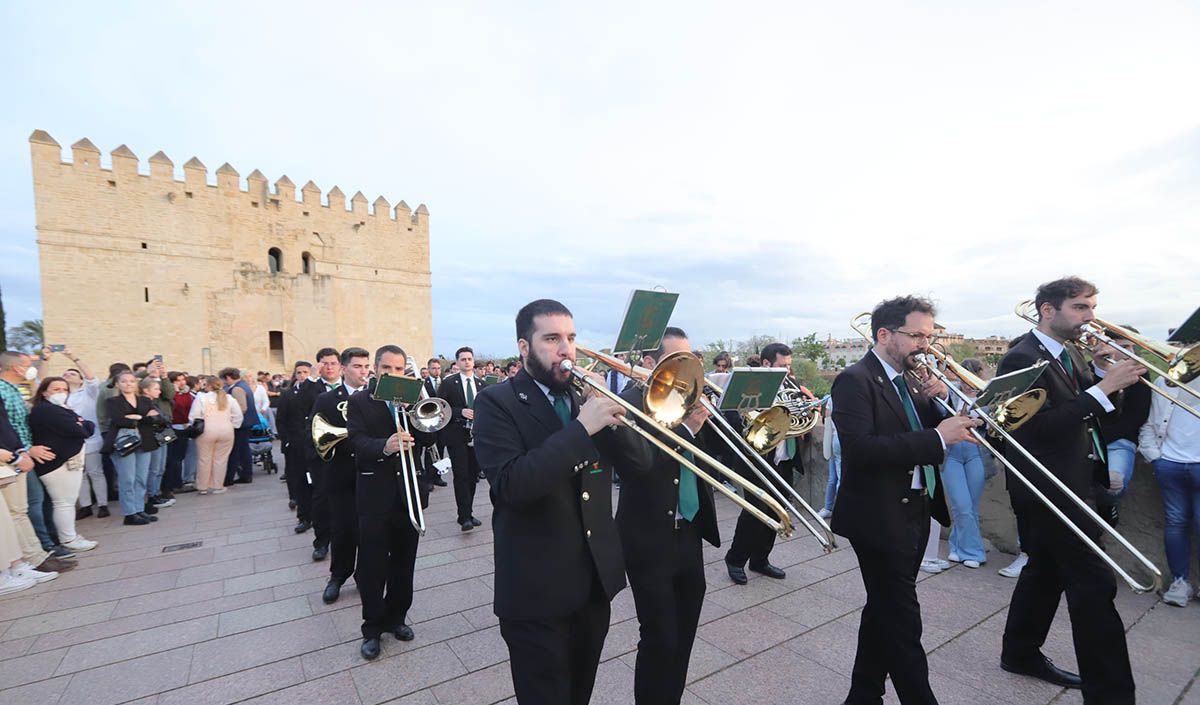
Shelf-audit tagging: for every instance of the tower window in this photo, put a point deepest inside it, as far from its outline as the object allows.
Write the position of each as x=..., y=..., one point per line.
x=307, y=263
x=275, y=347
x=274, y=260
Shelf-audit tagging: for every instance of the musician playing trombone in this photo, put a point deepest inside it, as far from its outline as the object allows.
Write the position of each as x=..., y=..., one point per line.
x=557, y=553
x=1064, y=436
x=893, y=436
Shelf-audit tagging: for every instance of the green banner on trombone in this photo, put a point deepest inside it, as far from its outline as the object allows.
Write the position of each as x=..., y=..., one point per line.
x=646, y=318
x=749, y=388
x=397, y=389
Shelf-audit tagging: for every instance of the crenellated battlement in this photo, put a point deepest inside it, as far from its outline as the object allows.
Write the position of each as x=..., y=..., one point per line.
x=124, y=168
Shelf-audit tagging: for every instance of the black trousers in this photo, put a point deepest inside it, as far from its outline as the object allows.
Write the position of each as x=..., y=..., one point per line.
x=1060, y=563
x=343, y=521
x=889, y=635
x=241, y=461
x=176, y=453
x=466, y=477
x=384, y=575
x=668, y=593
x=753, y=540
x=319, y=508
x=554, y=660
x=296, y=470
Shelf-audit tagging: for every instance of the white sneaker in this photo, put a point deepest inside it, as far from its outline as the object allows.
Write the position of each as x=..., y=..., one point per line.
x=1013, y=570
x=824, y=513
x=24, y=570
x=930, y=567
x=1178, y=594
x=943, y=564
x=13, y=583
x=953, y=557
x=81, y=544
x=971, y=563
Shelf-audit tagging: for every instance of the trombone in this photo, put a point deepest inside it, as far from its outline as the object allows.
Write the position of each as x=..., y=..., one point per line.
x=1183, y=364
x=1000, y=427
x=428, y=415
x=765, y=430
x=671, y=389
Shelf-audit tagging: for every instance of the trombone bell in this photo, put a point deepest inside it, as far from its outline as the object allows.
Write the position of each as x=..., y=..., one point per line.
x=430, y=415
x=673, y=388
x=1014, y=412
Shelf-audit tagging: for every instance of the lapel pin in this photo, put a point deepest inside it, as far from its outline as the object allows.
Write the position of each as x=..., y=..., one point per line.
x=523, y=396
x=879, y=379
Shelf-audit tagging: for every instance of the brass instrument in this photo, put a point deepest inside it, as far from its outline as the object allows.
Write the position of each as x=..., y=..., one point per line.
x=1183, y=364
x=672, y=388
x=804, y=413
x=428, y=415
x=326, y=436
x=993, y=420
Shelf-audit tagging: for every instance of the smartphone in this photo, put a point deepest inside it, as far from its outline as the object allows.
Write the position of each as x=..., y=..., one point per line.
x=158, y=357
x=58, y=347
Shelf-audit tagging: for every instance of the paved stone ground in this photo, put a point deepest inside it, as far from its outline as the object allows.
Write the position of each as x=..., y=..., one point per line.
x=240, y=619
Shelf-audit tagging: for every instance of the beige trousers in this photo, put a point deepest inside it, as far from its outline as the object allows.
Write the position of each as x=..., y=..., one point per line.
x=212, y=457
x=10, y=549
x=16, y=495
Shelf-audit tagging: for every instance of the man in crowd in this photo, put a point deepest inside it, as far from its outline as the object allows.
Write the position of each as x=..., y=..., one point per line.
x=241, y=461
x=460, y=391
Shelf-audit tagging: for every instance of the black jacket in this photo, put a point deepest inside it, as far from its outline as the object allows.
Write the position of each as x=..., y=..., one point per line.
x=10, y=440
x=1060, y=434
x=294, y=418
x=650, y=495
x=61, y=430
x=146, y=427
x=1133, y=403
x=554, y=532
x=341, y=468
x=879, y=454
x=379, y=489
x=451, y=389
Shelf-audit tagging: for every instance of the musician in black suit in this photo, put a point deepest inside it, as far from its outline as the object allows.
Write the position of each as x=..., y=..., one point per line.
x=460, y=390
x=1064, y=436
x=387, y=550
x=558, y=555
x=339, y=472
x=663, y=516
x=432, y=383
x=752, y=540
x=329, y=377
x=893, y=437
x=289, y=423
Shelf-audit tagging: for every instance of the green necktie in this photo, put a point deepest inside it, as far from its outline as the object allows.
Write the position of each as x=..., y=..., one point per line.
x=1065, y=358
x=789, y=448
x=470, y=391
x=689, y=496
x=562, y=408
x=911, y=412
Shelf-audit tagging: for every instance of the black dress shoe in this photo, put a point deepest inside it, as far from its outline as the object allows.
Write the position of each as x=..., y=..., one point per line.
x=737, y=573
x=147, y=517
x=332, y=590
x=291, y=504
x=242, y=481
x=149, y=509
x=1043, y=668
x=440, y=482
x=320, y=552
x=476, y=522
x=466, y=526
x=768, y=570
x=405, y=633
x=370, y=649
x=302, y=526
x=136, y=520
x=102, y=512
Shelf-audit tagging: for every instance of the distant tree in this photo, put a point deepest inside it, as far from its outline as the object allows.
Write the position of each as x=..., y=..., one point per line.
x=27, y=337
x=808, y=373
x=841, y=362
x=961, y=351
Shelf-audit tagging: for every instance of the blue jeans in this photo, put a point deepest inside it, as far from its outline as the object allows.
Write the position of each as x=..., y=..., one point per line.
x=158, y=466
x=1180, y=483
x=132, y=472
x=835, y=474
x=39, y=514
x=1121, y=456
x=190, y=461
x=963, y=479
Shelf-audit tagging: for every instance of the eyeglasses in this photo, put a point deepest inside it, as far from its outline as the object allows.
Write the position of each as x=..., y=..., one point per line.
x=916, y=337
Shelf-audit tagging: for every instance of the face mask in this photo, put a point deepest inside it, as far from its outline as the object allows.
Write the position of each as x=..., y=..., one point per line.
x=59, y=398
x=30, y=374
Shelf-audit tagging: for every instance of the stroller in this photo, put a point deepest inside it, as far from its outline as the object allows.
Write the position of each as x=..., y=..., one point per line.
x=262, y=448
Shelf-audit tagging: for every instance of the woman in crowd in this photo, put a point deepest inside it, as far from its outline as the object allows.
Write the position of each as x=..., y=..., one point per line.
x=83, y=399
x=832, y=448
x=62, y=430
x=131, y=414
x=963, y=477
x=221, y=415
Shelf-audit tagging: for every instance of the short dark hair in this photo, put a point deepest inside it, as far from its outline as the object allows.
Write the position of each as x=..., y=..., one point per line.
x=117, y=368
x=326, y=352
x=670, y=332
x=973, y=365
x=192, y=381
x=1059, y=290
x=73, y=369
x=462, y=350
x=432, y=360
x=770, y=353
x=139, y=365
x=753, y=361
x=301, y=363
x=230, y=372
x=172, y=375
x=892, y=314
x=533, y=309
x=723, y=356
x=393, y=349
x=350, y=353
x=510, y=366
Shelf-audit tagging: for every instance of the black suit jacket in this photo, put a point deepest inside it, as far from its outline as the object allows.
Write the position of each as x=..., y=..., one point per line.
x=379, y=489
x=296, y=408
x=451, y=389
x=340, y=469
x=879, y=453
x=554, y=532
x=1060, y=434
x=646, y=511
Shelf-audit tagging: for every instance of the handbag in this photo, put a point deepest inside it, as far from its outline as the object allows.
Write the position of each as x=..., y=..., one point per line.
x=165, y=436
x=127, y=444
x=196, y=429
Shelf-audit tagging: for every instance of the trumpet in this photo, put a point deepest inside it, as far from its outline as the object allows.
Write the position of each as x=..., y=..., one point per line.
x=672, y=388
x=1183, y=364
x=1000, y=423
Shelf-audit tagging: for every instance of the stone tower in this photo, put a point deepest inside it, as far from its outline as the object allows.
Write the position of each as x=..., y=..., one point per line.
x=214, y=275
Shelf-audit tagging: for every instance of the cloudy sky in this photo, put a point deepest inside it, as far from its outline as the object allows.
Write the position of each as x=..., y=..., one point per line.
x=782, y=166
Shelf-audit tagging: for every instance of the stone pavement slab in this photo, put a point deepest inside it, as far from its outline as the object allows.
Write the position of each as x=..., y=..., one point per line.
x=239, y=619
